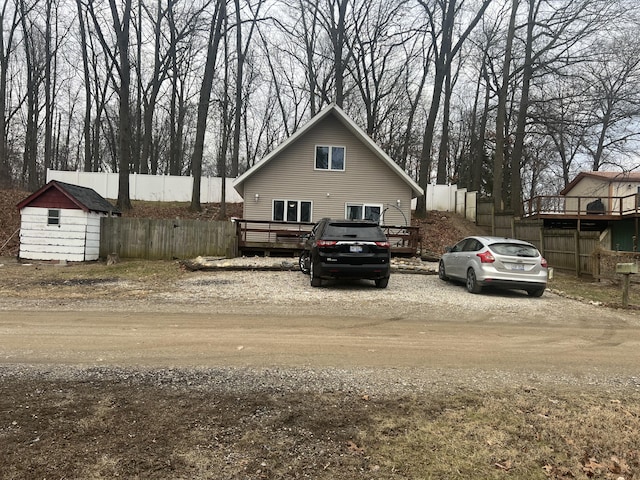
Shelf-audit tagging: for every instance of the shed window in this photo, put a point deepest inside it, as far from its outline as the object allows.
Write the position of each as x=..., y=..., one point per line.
x=291, y=211
x=54, y=217
x=330, y=158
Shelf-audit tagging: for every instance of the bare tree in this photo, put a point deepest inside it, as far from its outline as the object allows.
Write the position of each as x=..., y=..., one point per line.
x=7, y=33
x=119, y=55
x=242, y=47
x=213, y=43
x=442, y=16
x=376, y=42
x=613, y=79
x=34, y=63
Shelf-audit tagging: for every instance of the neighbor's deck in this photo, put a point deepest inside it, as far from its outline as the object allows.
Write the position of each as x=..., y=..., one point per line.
x=583, y=207
x=287, y=238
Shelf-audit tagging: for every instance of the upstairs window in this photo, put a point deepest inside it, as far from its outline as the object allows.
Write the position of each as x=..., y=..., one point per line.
x=330, y=158
x=54, y=217
x=291, y=211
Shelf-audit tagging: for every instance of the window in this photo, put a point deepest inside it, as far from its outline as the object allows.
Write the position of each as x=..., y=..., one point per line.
x=291, y=211
x=364, y=211
x=54, y=217
x=329, y=158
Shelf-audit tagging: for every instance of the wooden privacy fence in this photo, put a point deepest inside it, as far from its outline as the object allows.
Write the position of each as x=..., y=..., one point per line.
x=564, y=249
x=571, y=250
x=166, y=239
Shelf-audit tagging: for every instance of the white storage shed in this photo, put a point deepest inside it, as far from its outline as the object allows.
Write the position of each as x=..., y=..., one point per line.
x=62, y=222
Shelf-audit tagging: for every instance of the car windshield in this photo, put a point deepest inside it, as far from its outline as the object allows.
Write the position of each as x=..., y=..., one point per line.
x=514, y=249
x=354, y=231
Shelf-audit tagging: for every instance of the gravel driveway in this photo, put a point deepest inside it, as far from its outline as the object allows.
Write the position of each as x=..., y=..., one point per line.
x=262, y=318
x=254, y=374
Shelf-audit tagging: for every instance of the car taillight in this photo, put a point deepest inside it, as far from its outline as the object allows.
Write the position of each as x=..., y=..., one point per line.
x=486, y=257
x=383, y=244
x=543, y=263
x=326, y=243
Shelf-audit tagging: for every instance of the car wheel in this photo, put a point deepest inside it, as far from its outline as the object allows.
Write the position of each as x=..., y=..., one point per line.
x=441, y=272
x=472, y=282
x=536, y=292
x=315, y=281
x=382, y=282
x=303, y=262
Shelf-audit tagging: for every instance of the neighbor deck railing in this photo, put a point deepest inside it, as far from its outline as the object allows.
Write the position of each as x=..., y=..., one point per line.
x=582, y=205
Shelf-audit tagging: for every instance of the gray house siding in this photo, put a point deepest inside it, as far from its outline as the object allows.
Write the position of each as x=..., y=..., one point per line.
x=292, y=176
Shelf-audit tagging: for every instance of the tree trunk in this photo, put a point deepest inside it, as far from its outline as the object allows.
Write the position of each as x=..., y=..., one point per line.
x=501, y=115
x=6, y=47
x=125, y=136
x=518, y=147
x=86, y=128
x=215, y=34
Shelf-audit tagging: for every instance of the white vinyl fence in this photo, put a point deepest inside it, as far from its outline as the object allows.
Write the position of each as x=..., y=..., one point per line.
x=155, y=188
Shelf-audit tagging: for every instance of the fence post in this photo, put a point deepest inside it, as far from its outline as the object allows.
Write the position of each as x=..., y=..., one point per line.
x=576, y=237
x=493, y=219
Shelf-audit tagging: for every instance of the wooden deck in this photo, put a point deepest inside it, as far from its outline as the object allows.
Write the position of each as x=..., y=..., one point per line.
x=583, y=207
x=271, y=238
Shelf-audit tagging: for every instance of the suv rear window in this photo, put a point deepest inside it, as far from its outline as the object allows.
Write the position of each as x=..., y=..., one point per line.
x=514, y=249
x=364, y=231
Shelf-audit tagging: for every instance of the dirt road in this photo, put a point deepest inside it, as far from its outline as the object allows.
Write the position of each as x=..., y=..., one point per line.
x=263, y=319
x=139, y=372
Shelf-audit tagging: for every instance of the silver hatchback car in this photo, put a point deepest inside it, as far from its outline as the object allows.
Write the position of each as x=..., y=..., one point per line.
x=495, y=261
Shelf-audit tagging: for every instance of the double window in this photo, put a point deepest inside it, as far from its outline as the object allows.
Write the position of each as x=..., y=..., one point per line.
x=330, y=158
x=53, y=217
x=291, y=210
x=364, y=211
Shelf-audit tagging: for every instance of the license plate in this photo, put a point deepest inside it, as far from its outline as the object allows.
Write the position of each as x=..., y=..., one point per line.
x=355, y=248
x=517, y=266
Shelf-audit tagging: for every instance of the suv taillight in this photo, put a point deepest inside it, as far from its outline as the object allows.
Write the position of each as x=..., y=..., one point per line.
x=383, y=244
x=543, y=263
x=326, y=243
x=486, y=257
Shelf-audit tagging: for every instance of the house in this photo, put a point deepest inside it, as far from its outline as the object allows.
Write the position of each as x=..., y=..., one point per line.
x=616, y=190
x=62, y=222
x=604, y=202
x=329, y=168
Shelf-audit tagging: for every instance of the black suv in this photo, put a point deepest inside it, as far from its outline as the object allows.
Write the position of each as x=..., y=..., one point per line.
x=346, y=249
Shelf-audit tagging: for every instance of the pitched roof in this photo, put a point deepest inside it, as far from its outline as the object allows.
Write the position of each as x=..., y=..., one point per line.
x=85, y=198
x=607, y=177
x=352, y=127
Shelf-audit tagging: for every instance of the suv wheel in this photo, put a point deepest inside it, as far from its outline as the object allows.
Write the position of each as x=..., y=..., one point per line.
x=472, y=282
x=382, y=282
x=303, y=262
x=315, y=281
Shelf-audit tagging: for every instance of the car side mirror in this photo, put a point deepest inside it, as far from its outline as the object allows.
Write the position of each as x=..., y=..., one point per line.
x=448, y=249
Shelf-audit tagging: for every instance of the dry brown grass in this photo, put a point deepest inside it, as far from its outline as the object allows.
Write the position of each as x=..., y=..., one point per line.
x=135, y=429
x=607, y=292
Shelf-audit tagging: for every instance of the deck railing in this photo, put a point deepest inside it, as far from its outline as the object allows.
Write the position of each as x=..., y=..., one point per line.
x=277, y=235
x=582, y=205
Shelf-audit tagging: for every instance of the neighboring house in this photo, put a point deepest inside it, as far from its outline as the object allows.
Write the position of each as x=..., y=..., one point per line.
x=617, y=191
x=604, y=202
x=328, y=168
x=62, y=222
